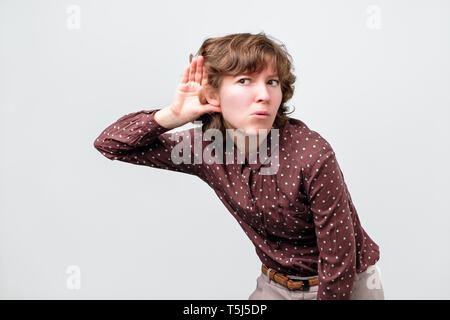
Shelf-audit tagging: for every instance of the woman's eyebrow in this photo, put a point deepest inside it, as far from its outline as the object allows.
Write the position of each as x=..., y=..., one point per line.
x=252, y=74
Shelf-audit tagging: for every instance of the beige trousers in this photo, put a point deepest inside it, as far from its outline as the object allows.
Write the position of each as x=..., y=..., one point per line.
x=367, y=286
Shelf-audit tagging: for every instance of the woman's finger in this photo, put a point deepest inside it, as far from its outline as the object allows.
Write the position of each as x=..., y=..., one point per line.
x=199, y=70
x=204, y=77
x=215, y=109
x=193, y=69
x=185, y=76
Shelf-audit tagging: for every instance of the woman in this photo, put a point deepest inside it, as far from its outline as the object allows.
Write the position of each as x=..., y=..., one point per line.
x=291, y=201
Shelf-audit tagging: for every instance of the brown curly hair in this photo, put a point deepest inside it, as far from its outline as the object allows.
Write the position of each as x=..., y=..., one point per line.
x=239, y=53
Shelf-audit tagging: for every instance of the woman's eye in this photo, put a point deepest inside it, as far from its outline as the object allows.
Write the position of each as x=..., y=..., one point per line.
x=278, y=82
x=243, y=79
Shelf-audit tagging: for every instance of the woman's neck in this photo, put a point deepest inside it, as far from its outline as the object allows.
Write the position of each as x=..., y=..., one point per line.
x=243, y=143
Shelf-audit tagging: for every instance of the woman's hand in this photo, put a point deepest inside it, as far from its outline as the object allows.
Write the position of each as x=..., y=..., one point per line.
x=189, y=101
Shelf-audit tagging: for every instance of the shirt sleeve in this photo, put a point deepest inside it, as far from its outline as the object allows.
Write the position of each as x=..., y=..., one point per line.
x=139, y=139
x=330, y=204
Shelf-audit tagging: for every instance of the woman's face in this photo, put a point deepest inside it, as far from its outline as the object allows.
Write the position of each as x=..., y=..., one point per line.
x=242, y=95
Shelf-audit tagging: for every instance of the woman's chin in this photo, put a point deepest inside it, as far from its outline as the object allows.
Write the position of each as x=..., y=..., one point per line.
x=254, y=131
x=250, y=130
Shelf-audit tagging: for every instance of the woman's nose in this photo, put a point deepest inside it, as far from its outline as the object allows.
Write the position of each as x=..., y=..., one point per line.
x=262, y=92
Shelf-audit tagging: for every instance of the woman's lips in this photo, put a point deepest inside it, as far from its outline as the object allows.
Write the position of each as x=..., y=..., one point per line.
x=259, y=115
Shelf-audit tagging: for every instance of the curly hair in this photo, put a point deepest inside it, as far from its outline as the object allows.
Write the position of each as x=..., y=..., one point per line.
x=239, y=53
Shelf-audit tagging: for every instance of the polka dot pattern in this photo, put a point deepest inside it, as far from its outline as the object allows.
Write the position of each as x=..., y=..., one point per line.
x=301, y=219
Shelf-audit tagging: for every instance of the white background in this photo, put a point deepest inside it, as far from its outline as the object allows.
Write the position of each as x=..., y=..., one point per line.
x=373, y=78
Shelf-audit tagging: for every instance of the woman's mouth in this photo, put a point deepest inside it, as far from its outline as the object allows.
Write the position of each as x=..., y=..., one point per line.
x=260, y=115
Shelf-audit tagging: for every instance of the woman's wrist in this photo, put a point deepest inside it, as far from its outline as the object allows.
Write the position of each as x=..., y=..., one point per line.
x=165, y=118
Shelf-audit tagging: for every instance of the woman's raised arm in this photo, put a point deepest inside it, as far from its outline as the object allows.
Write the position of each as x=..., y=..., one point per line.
x=139, y=137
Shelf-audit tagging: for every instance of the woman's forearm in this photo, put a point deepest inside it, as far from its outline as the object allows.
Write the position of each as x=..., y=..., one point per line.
x=166, y=119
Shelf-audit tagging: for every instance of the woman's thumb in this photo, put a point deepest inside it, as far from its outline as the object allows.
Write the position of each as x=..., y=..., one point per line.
x=211, y=109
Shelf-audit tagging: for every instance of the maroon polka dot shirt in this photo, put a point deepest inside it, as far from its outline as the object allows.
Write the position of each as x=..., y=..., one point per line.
x=300, y=219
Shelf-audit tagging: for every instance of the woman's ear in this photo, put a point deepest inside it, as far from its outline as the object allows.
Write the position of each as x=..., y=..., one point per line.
x=212, y=97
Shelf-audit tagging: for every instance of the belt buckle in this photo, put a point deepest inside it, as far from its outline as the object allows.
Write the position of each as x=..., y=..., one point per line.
x=305, y=286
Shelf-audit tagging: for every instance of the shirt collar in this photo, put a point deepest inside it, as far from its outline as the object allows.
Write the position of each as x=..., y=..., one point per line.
x=265, y=162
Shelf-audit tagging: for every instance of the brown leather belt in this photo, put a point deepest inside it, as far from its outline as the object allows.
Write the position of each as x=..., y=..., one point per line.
x=290, y=283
